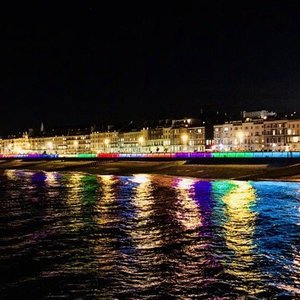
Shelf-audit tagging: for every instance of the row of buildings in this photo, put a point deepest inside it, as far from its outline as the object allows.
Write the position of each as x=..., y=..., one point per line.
x=258, y=134
x=179, y=136
x=257, y=131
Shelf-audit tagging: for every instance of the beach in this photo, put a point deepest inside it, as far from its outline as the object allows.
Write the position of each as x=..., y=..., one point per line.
x=284, y=172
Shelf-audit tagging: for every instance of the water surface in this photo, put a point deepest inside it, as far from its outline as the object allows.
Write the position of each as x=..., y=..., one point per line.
x=75, y=235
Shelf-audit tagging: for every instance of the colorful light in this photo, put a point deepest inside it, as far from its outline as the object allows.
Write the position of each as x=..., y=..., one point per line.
x=176, y=155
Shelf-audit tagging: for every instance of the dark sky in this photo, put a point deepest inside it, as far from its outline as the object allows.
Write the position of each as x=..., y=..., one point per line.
x=91, y=63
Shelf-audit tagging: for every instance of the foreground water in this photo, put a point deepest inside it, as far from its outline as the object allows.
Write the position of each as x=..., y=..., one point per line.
x=74, y=235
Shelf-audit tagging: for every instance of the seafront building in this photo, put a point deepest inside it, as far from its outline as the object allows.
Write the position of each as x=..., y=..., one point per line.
x=251, y=134
x=258, y=135
x=184, y=135
x=293, y=135
x=70, y=144
x=239, y=136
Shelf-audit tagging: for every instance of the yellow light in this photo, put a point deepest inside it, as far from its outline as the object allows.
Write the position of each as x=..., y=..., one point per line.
x=106, y=142
x=187, y=213
x=141, y=178
x=184, y=138
x=50, y=145
x=141, y=140
x=18, y=149
x=144, y=201
x=239, y=230
x=75, y=143
x=240, y=135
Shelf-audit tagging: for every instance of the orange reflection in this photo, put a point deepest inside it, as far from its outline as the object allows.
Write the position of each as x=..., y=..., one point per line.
x=10, y=174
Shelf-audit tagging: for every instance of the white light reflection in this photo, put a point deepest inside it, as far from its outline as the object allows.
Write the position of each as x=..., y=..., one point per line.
x=105, y=252
x=107, y=201
x=146, y=234
x=188, y=212
x=143, y=201
x=73, y=199
x=140, y=178
x=52, y=179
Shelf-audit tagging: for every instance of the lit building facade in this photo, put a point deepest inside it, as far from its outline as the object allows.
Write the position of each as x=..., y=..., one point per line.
x=258, y=135
x=49, y=144
x=104, y=142
x=78, y=143
x=19, y=145
x=259, y=114
x=133, y=141
x=187, y=139
x=239, y=136
x=275, y=135
x=158, y=140
x=293, y=135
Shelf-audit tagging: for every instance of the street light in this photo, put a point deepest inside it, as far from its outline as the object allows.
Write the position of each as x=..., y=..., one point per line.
x=76, y=146
x=106, y=144
x=141, y=140
x=240, y=136
x=184, y=138
x=50, y=145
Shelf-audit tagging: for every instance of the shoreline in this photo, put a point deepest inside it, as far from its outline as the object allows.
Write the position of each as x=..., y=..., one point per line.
x=172, y=168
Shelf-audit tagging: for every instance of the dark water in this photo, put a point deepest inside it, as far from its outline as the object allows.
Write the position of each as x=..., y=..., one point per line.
x=85, y=236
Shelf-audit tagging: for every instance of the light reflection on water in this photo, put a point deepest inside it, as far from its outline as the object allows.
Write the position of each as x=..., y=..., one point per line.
x=144, y=236
x=239, y=229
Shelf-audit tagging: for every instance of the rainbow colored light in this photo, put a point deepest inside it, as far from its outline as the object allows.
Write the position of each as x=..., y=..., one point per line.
x=177, y=155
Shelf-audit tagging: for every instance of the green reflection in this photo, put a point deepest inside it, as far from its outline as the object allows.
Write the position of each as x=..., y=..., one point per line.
x=81, y=199
x=90, y=187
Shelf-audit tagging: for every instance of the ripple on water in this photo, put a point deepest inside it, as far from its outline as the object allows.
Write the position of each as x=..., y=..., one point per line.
x=78, y=235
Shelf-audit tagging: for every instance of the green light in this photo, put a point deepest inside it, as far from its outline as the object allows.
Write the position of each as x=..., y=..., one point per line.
x=86, y=155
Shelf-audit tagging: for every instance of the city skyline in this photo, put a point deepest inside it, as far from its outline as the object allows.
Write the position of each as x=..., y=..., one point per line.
x=84, y=64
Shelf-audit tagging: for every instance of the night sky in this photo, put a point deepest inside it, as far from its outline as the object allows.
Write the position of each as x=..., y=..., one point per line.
x=87, y=63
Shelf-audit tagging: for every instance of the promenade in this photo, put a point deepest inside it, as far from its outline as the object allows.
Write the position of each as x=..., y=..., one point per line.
x=277, y=170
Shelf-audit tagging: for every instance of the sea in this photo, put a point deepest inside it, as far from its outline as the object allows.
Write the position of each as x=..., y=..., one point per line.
x=70, y=235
